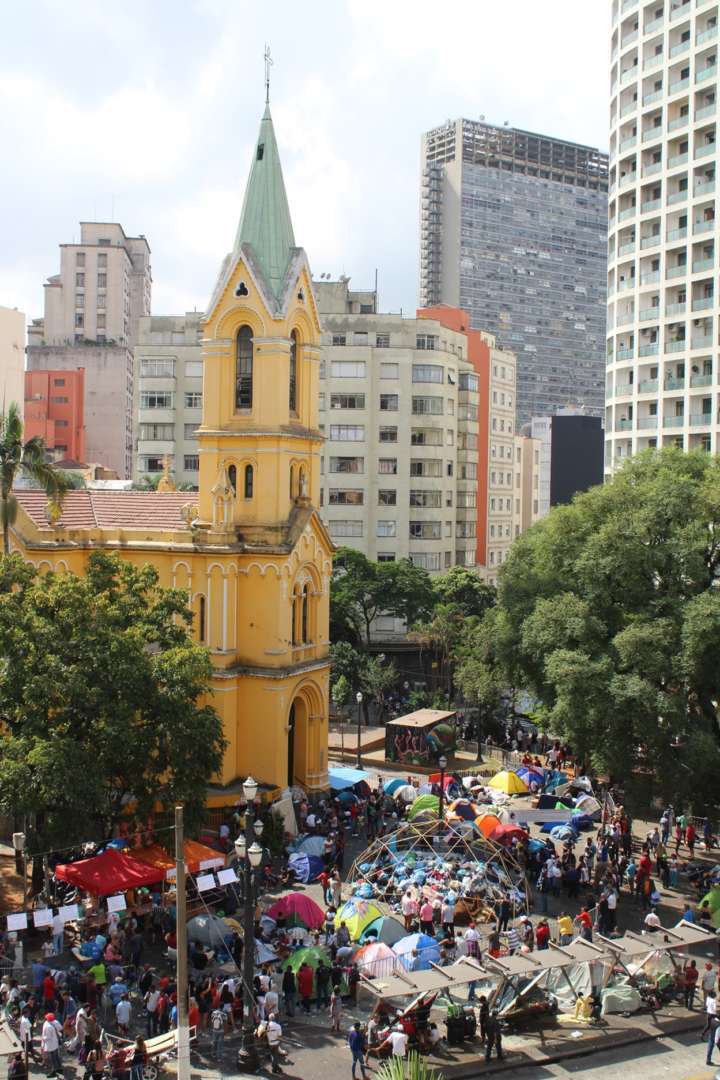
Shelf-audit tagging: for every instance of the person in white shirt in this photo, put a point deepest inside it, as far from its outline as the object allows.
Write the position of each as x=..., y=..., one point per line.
x=652, y=922
x=58, y=934
x=273, y=1033
x=26, y=1036
x=50, y=1044
x=123, y=1012
x=398, y=1041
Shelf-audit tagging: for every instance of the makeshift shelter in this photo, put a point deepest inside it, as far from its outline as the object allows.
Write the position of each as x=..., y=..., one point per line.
x=112, y=872
x=420, y=737
x=341, y=778
x=311, y=845
x=299, y=910
x=509, y=783
x=424, y=804
x=208, y=930
x=417, y=952
x=392, y=785
x=306, y=867
x=197, y=857
x=8, y=1041
x=505, y=834
x=311, y=955
x=385, y=929
x=486, y=823
x=356, y=914
x=375, y=958
x=531, y=775
x=407, y=793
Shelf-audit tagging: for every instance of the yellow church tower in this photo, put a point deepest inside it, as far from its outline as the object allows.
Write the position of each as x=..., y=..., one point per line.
x=250, y=550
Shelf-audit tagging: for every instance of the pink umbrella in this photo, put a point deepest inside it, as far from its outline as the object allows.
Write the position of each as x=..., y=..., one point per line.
x=298, y=909
x=377, y=958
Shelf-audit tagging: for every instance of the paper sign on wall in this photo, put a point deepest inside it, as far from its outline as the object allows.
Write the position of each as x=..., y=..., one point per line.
x=208, y=864
x=117, y=903
x=43, y=917
x=69, y=913
x=17, y=922
x=205, y=882
x=227, y=877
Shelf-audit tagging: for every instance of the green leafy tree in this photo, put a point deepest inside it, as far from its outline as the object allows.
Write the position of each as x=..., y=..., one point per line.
x=465, y=590
x=609, y=614
x=440, y=635
x=348, y=663
x=377, y=678
x=341, y=694
x=361, y=590
x=19, y=458
x=99, y=699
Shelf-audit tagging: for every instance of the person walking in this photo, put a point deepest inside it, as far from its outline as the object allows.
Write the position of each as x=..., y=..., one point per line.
x=50, y=1044
x=713, y=1041
x=217, y=1031
x=335, y=1009
x=493, y=1035
x=322, y=985
x=356, y=1042
x=289, y=990
x=690, y=974
x=273, y=1034
x=138, y=1059
x=710, y=1013
x=152, y=998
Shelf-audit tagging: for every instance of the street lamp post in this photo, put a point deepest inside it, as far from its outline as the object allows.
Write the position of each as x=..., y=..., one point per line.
x=442, y=762
x=358, y=698
x=249, y=854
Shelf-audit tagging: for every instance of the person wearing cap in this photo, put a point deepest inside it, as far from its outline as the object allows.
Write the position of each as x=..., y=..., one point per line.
x=707, y=981
x=117, y=990
x=50, y=1044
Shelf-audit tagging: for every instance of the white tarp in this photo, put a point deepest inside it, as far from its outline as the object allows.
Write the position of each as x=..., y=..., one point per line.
x=286, y=810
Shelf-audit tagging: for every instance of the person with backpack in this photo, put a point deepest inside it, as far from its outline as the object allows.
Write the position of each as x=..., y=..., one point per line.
x=217, y=1031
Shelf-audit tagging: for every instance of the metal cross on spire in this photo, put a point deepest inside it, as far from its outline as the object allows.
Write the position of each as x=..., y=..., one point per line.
x=268, y=65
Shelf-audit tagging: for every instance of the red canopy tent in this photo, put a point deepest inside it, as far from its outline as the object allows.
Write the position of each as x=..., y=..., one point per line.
x=197, y=857
x=112, y=872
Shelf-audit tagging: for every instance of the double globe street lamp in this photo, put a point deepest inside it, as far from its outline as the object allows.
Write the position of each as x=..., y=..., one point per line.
x=250, y=855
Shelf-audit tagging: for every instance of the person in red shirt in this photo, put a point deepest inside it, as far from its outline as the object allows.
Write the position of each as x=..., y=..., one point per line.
x=48, y=992
x=690, y=837
x=305, y=985
x=584, y=919
x=690, y=973
x=542, y=934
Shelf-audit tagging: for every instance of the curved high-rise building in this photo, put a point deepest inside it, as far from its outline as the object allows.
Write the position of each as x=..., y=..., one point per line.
x=662, y=336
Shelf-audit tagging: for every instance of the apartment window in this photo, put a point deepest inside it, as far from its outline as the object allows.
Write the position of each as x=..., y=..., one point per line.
x=425, y=530
x=428, y=500
x=100, y=322
x=448, y=559
x=427, y=373
x=386, y=528
x=59, y=400
x=425, y=467
x=426, y=341
x=347, y=369
x=156, y=399
x=321, y=401
x=388, y=434
x=386, y=497
x=469, y=382
x=386, y=556
x=467, y=412
x=360, y=337
x=465, y=530
x=193, y=399
x=466, y=500
x=468, y=471
x=449, y=437
x=105, y=241
x=347, y=401
x=323, y=370
x=347, y=432
x=448, y=498
x=79, y=300
x=389, y=371
x=79, y=319
x=79, y=281
x=426, y=437
x=156, y=367
x=426, y=560
x=100, y=303
x=387, y=466
x=156, y=432
x=191, y=462
x=79, y=258
x=100, y=338
x=346, y=497
x=338, y=339
x=431, y=406
x=102, y=281
x=382, y=341
x=102, y=259
x=193, y=369
x=345, y=528
x=190, y=431
x=154, y=464
x=467, y=441
x=450, y=407
x=347, y=465
x=389, y=402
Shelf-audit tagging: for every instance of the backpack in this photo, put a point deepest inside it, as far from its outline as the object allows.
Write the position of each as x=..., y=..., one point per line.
x=217, y=1021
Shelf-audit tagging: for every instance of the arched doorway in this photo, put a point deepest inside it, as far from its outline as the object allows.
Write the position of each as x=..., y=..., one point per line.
x=298, y=749
x=291, y=747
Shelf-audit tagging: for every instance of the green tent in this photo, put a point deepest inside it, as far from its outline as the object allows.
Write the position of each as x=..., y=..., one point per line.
x=311, y=955
x=422, y=804
x=713, y=900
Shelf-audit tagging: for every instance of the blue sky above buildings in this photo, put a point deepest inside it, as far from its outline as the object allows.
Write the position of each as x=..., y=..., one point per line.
x=147, y=114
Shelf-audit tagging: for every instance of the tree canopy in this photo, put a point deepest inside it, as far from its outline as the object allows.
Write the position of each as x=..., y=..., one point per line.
x=99, y=689
x=609, y=614
x=362, y=590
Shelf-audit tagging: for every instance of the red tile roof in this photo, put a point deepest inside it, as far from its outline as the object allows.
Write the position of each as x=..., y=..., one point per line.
x=122, y=509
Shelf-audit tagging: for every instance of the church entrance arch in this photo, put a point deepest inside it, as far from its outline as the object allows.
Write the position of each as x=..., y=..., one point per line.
x=306, y=706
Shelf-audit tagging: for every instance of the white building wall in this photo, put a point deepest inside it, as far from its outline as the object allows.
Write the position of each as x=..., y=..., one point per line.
x=12, y=358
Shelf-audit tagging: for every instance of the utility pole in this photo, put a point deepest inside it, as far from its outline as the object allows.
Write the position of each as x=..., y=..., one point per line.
x=183, y=1033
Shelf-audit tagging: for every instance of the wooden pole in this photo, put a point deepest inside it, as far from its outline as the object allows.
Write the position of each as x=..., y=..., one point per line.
x=183, y=1033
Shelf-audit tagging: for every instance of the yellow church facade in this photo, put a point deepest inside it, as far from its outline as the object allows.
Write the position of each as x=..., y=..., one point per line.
x=249, y=547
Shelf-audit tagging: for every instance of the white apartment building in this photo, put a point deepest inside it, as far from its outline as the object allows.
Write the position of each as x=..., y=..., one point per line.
x=12, y=358
x=399, y=409
x=168, y=396
x=92, y=309
x=663, y=307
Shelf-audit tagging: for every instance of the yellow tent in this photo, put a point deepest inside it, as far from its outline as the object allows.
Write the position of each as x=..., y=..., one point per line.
x=357, y=914
x=509, y=782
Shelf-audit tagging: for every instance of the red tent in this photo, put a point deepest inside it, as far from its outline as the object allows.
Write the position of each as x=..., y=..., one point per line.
x=112, y=872
x=505, y=834
x=195, y=855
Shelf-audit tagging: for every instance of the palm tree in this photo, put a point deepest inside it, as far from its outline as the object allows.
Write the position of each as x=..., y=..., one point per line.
x=29, y=459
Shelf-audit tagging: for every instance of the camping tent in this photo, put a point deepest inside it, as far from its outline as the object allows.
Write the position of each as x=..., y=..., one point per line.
x=385, y=929
x=341, y=778
x=375, y=958
x=509, y=783
x=427, y=948
x=112, y=872
x=356, y=914
x=208, y=930
x=306, y=867
x=299, y=910
x=197, y=857
x=311, y=955
x=424, y=804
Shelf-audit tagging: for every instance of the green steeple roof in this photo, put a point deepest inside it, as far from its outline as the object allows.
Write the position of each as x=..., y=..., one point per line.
x=265, y=219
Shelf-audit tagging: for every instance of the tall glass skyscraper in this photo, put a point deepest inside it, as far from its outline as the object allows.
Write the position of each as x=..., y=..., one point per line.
x=513, y=228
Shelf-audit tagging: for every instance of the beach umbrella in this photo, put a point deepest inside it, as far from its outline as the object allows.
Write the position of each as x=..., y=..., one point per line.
x=406, y=792
x=356, y=914
x=509, y=783
x=385, y=929
x=422, y=803
x=312, y=845
x=486, y=823
x=375, y=958
x=426, y=947
x=299, y=910
x=505, y=834
x=208, y=930
x=391, y=788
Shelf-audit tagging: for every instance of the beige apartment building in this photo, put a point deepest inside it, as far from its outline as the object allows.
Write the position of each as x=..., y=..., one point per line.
x=92, y=309
x=168, y=396
x=12, y=357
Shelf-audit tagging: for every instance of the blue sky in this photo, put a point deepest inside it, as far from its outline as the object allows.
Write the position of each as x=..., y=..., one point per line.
x=146, y=113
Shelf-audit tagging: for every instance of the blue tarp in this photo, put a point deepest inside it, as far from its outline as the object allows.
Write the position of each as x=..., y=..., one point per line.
x=346, y=778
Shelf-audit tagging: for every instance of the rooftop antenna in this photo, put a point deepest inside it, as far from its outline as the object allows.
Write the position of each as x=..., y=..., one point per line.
x=268, y=64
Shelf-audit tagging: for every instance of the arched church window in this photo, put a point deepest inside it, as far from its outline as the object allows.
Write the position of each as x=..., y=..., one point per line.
x=248, y=481
x=292, y=481
x=296, y=617
x=244, y=369
x=293, y=372
x=305, y=617
x=232, y=478
x=201, y=619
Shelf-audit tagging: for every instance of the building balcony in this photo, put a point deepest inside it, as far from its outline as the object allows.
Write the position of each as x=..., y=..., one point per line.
x=708, y=72
x=681, y=47
x=624, y=425
x=627, y=179
x=652, y=349
x=703, y=303
x=705, y=150
x=651, y=133
x=676, y=87
x=676, y=271
x=703, y=226
x=627, y=143
x=648, y=386
x=705, y=187
x=706, y=35
x=700, y=380
x=629, y=74
x=649, y=314
x=677, y=159
x=625, y=354
x=651, y=62
x=651, y=170
x=679, y=11
x=623, y=389
x=651, y=278
x=647, y=422
x=672, y=383
x=628, y=212
x=703, y=264
x=627, y=109
x=702, y=342
x=656, y=95
x=677, y=197
x=707, y=110
x=703, y=419
x=629, y=38
x=627, y=249
x=626, y=318
x=676, y=234
x=673, y=421
x=678, y=122
x=676, y=346
x=655, y=24
x=675, y=309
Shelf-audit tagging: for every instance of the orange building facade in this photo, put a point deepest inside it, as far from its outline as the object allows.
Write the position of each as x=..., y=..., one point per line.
x=54, y=411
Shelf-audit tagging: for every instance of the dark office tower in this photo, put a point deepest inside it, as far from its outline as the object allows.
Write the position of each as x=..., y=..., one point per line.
x=513, y=228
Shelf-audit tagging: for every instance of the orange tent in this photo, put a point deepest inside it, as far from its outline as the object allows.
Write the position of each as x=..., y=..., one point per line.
x=195, y=855
x=486, y=823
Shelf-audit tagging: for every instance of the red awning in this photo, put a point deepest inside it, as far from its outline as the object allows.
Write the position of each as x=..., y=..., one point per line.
x=113, y=871
x=197, y=857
